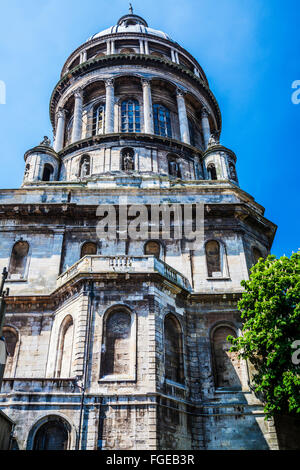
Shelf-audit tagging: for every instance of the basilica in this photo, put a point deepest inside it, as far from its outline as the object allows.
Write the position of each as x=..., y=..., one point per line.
x=120, y=342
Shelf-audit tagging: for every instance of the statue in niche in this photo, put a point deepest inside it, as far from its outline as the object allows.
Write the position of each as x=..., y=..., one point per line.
x=173, y=168
x=46, y=141
x=128, y=162
x=213, y=140
x=232, y=172
x=85, y=167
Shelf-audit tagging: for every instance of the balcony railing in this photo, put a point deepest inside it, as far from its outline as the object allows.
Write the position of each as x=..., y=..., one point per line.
x=94, y=264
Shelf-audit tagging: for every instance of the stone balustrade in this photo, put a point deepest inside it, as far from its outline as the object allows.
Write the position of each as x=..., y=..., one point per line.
x=97, y=264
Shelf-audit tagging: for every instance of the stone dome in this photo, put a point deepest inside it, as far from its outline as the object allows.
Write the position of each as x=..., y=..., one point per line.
x=131, y=24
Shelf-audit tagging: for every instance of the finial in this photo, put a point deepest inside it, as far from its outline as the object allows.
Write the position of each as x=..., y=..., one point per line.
x=130, y=9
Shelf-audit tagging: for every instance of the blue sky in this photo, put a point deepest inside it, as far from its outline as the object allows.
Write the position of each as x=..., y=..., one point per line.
x=249, y=50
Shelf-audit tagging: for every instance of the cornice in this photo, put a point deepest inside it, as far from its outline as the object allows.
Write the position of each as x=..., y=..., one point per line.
x=132, y=137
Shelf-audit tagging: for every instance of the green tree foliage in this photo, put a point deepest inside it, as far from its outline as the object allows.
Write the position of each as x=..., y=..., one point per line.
x=270, y=309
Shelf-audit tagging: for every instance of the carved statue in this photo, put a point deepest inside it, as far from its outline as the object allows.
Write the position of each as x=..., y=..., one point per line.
x=213, y=140
x=128, y=162
x=130, y=8
x=85, y=168
x=46, y=141
x=173, y=168
x=26, y=173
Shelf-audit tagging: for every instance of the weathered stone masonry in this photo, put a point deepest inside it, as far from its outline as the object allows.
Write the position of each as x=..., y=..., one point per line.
x=121, y=344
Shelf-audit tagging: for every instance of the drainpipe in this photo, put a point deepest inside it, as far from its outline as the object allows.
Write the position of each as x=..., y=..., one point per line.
x=85, y=361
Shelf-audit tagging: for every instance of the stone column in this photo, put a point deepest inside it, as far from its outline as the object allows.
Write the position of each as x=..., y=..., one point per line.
x=146, y=47
x=109, y=106
x=60, y=130
x=176, y=57
x=183, y=120
x=205, y=127
x=83, y=57
x=112, y=50
x=108, y=48
x=77, y=120
x=148, y=111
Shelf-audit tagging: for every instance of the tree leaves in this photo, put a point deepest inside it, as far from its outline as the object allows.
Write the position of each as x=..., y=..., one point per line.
x=270, y=310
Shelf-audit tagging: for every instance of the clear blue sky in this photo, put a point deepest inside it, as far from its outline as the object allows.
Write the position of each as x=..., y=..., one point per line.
x=249, y=50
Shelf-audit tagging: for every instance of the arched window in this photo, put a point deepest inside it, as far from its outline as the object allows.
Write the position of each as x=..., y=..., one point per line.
x=162, y=121
x=256, y=254
x=227, y=365
x=65, y=348
x=130, y=116
x=47, y=172
x=85, y=166
x=11, y=341
x=88, y=248
x=213, y=258
x=127, y=156
x=174, y=166
x=18, y=260
x=212, y=172
x=173, y=350
x=117, y=351
x=53, y=435
x=98, y=119
x=152, y=248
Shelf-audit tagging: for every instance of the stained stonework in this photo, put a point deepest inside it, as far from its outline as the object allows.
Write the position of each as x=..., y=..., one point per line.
x=139, y=324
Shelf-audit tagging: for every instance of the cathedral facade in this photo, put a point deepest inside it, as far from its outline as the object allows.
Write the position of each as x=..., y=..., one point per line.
x=120, y=341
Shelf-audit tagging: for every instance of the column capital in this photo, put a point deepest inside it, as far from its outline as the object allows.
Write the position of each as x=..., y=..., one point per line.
x=146, y=82
x=204, y=112
x=78, y=93
x=109, y=82
x=180, y=92
x=61, y=113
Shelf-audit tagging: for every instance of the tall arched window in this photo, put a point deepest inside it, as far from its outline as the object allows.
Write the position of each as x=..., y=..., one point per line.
x=213, y=258
x=11, y=341
x=65, y=348
x=162, y=120
x=174, y=369
x=212, y=172
x=130, y=116
x=85, y=166
x=117, y=350
x=152, y=248
x=47, y=172
x=53, y=435
x=88, y=248
x=98, y=119
x=227, y=365
x=18, y=260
